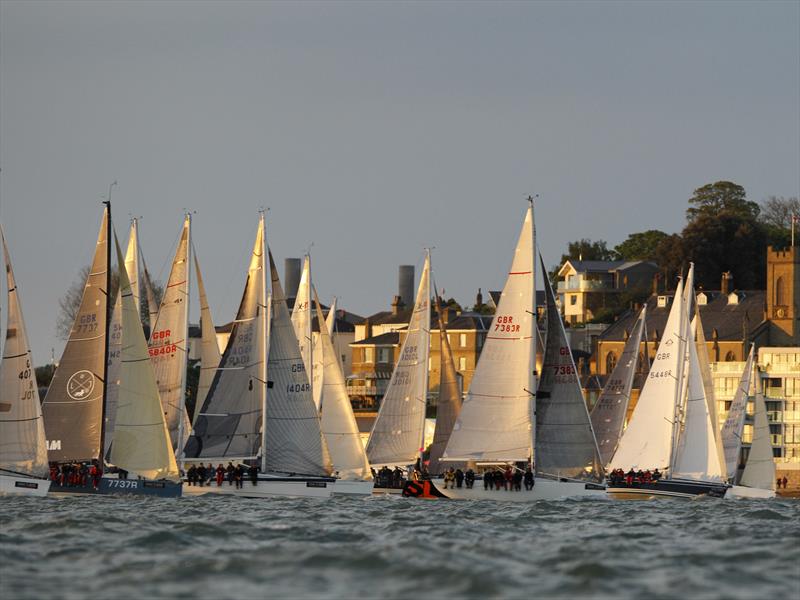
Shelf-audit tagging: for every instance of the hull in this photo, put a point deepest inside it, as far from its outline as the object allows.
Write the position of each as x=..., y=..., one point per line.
x=352, y=488
x=543, y=489
x=740, y=491
x=667, y=488
x=268, y=487
x=113, y=486
x=386, y=491
x=20, y=485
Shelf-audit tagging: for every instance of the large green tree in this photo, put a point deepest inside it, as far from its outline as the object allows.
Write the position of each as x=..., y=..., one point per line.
x=641, y=246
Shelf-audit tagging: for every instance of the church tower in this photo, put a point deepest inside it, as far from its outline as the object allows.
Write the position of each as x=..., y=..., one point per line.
x=783, y=296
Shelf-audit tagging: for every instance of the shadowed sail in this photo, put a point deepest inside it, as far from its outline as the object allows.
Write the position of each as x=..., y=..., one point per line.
x=733, y=428
x=397, y=435
x=759, y=471
x=301, y=319
x=209, y=349
x=73, y=406
x=23, y=449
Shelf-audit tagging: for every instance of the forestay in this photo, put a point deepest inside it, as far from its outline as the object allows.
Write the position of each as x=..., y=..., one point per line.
x=141, y=442
x=73, y=406
x=565, y=443
x=494, y=424
x=168, y=344
x=647, y=441
x=209, y=349
x=22, y=441
x=397, y=435
x=759, y=471
x=733, y=428
x=608, y=415
x=338, y=421
x=229, y=422
x=294, y=442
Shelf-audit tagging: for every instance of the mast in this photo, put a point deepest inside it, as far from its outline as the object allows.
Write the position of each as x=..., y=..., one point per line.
x=266, y=314
x=184, y=416
x=107, y=327
x=680, y=389
x=426, y=324
x=535, y=334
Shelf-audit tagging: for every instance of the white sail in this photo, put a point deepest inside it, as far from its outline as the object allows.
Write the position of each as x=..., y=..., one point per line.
x=23, y=448
x=696, y=455
x=759, y=471
x=647, y=441
x=733, y=428
x=608, y=415
x=330, y=320
x=301, y=314
x=494, y=424
x=318, y=361
x=141, y=441
x=565, y=443
x=338, y=421
x=169, y=346
x=228, y=424
x=209, y=350
x=397, y=434
x=115, y=338
x=293, y=441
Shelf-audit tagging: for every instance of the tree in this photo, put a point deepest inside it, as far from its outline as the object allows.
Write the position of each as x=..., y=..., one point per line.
x=670, y=258
x=776, y=218
x=722, y=198
x=641, y=246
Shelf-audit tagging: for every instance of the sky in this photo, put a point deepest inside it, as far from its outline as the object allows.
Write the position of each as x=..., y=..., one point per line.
x=374, y=130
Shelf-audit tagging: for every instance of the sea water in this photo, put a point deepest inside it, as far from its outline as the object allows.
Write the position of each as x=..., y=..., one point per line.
x=391, y=547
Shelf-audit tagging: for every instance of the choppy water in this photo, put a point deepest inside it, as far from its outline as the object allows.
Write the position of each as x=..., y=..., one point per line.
x=390, y=547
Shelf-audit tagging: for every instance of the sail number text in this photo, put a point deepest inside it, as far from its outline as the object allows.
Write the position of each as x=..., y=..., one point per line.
x=505, y=324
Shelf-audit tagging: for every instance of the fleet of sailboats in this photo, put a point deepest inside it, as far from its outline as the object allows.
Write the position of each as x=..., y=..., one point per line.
x=275, y=403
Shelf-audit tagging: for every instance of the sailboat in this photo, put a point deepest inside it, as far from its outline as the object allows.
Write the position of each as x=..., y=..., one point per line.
x=671, y=431
x=23, y=448
x=259, y=410
x=338, y=423
x=610, y=411
x=757, y=480
x=396, y=439
x=75, y=403
x=500, y=423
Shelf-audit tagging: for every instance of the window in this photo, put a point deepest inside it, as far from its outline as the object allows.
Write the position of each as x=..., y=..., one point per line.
x=369, y=355
x=462, y=340
x=730, y=357
x=383, y=355
x=611, y=362
x=780, y=293
x=462, y=363
x=573, y=299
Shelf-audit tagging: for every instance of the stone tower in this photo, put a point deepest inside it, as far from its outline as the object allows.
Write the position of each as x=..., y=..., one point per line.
x=783, y=296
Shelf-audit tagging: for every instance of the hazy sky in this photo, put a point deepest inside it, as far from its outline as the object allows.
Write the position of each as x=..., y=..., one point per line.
x=376, y=129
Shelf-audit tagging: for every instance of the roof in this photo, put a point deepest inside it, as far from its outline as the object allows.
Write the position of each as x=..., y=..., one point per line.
x=469, y=321
x=386, y=317
x=391, y=338
x=727, y=319
x=604, y=266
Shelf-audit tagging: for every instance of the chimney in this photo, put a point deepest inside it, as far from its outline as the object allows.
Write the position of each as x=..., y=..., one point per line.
x=291, y=275
x=655, y=284
x=405, y=286
x=367, y=329
x=725, y=288
x=397, y=305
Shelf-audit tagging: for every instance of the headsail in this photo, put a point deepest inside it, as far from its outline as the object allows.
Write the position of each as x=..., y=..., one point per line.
x=647, y=441
x=209, y=350
x=759, y=471
x=494, y=424
x=565, y=443
x=397, y=434
x=449, y=403
x=608, y=415
x=73, y=406
x=733, y=428
x=294, y=442
x=141, y=442
x=708, y=384
x=301, y=315
x=338, y=421
x=23, y=448
x=169, y=346
x=229, y=422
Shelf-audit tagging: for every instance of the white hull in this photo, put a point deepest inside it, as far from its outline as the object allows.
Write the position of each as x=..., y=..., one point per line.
x=13, y=485
x=352, y=488
x=381, y=491
x=740, y=491
x=544, y=489
x=267, y=487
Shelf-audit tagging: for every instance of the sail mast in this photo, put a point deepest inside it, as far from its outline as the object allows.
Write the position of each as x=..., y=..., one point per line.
x=183, y=419
x=680, y=388
x=532, y=383
x=107, y=325
x=265, y=312
x=426, y=326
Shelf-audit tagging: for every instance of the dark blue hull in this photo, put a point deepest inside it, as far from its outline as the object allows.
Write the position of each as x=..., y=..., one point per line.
x=123, y=487
x=670, y=488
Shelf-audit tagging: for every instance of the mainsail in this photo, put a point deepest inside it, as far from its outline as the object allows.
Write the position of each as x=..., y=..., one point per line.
x=708, y=383
x=141, y=442
x=494, y=424
x=449, y=403
x=759, y=471
x=565, y=442
x=23, y=448
x=397, y=435
x=294, y=442
x=733, y=428
x=608, y=415
x=229, y=423
x=169, y=346
x=301, y=315
x=115, y=338
x=647, y=441
x=338, y=421
x=73, y=406
x=209, y=350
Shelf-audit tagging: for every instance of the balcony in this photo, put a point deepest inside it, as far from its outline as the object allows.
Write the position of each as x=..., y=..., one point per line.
x=362, y=390
x=584, y=285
